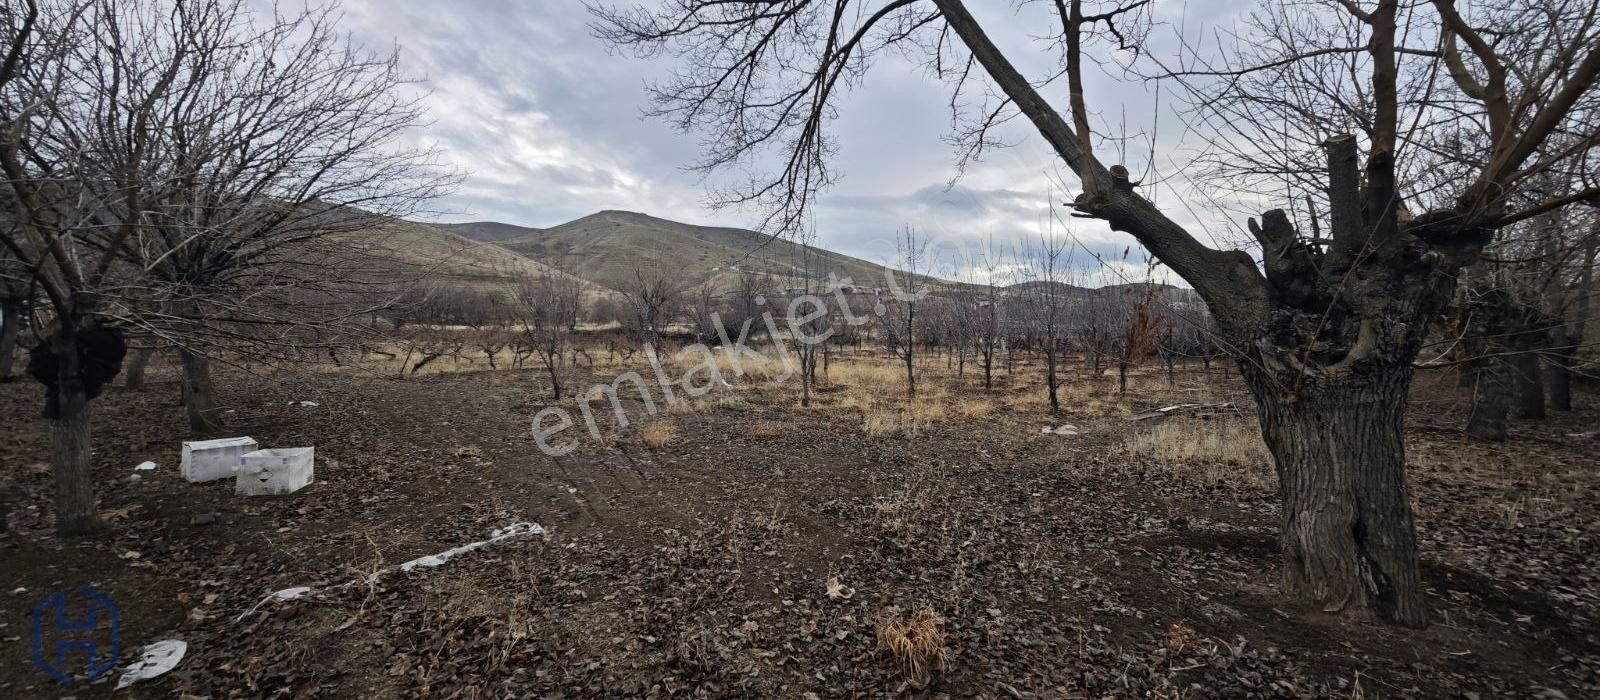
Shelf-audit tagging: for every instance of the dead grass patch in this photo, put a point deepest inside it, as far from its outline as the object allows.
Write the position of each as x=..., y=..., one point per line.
x=877, y=423
x=1226, y=450
x=658, y=434
x=927, y=410
x=767, y=429
x=975, y=408
x=916, y=644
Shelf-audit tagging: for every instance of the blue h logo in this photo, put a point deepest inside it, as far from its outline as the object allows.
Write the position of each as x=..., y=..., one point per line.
x=76, y=635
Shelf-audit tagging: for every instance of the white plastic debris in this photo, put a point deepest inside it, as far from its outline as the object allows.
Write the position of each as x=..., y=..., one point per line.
x=286, y=594
x=154, y=660
x=1067, y=429
x=306, y=404
x=505, y=533
x=145, y=467
x=292, y=593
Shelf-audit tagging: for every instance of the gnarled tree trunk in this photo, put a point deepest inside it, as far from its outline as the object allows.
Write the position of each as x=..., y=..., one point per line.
x=1530, y=385
x=198, y=398
x=70, y=460
x=1491, y=400
x=11, y=322
x=133, y=378
x=73, y=365
x=1345, y=527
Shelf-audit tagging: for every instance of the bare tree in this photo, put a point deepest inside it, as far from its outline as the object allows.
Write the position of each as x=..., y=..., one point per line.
x=652, y=300
x=151, y=153
x=703, y=303
x=1325, y=337
x=72, y=184
x=283, y=141
x=549, y=305
x=16, y=308
x=900, y=303
x=989, y=325
x=1046, y=298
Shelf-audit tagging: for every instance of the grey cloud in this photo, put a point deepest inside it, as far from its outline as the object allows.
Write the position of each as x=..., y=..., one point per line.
x=548, y=125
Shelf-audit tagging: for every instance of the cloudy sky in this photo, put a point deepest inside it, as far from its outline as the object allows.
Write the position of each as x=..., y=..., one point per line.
x=547, y=125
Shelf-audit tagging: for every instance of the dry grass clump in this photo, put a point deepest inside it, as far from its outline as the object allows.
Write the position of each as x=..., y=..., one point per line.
x=927, y=410
x=886, y=422
x=868, y=375
x=878, y=423
x=775, y=367
x=1223, y=450
x=904, y=514
x=854, y=401
x=916, y=644
x=767, y=429
x=658, y=434
x=975, y=408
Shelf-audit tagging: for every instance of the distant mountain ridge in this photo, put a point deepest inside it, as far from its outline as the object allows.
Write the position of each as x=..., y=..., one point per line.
x=610, y=248
x=488, y=231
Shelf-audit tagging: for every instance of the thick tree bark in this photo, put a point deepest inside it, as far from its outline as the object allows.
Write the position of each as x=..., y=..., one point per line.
x=198, y=397
x=1530, y=385
x=11, y=322
x=71, y=464
x=1569, y=335
x=1560, y=374
x=1050, y=377
x=133, y=379
x=1346, y=526
x=1491, y=401
x=70, y=459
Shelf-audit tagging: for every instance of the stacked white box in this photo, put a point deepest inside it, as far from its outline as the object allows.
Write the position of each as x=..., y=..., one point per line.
x=209, y=460
x=275, y=472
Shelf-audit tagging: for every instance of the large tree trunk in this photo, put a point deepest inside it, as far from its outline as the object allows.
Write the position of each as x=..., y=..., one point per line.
x=1560, y=371
x=1346, y=528
x=68, y=413
x=11, y=322
x=71, y=464
x=133, y=379
x=1050, y=377
x=1569, y=335
x=1530, y=385
x=198, y=398
x=1491, y=401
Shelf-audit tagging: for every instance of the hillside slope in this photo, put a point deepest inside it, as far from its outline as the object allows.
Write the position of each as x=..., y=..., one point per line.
x=607, y=248
x=437, y=257
x=488, y=231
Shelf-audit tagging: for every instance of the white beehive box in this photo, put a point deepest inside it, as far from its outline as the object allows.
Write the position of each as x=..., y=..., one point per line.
x=209, y=460
x=275, y=472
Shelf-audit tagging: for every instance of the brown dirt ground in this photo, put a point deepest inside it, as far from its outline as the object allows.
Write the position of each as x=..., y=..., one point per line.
x=1059, y=566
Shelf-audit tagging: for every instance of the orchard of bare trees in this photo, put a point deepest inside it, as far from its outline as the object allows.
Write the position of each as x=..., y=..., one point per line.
x=1224, y=350
x=1410, y=142
x=188, y=176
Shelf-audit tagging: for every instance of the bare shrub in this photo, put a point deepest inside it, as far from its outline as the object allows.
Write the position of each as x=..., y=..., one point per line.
x=916, y=644
x=658, y=434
